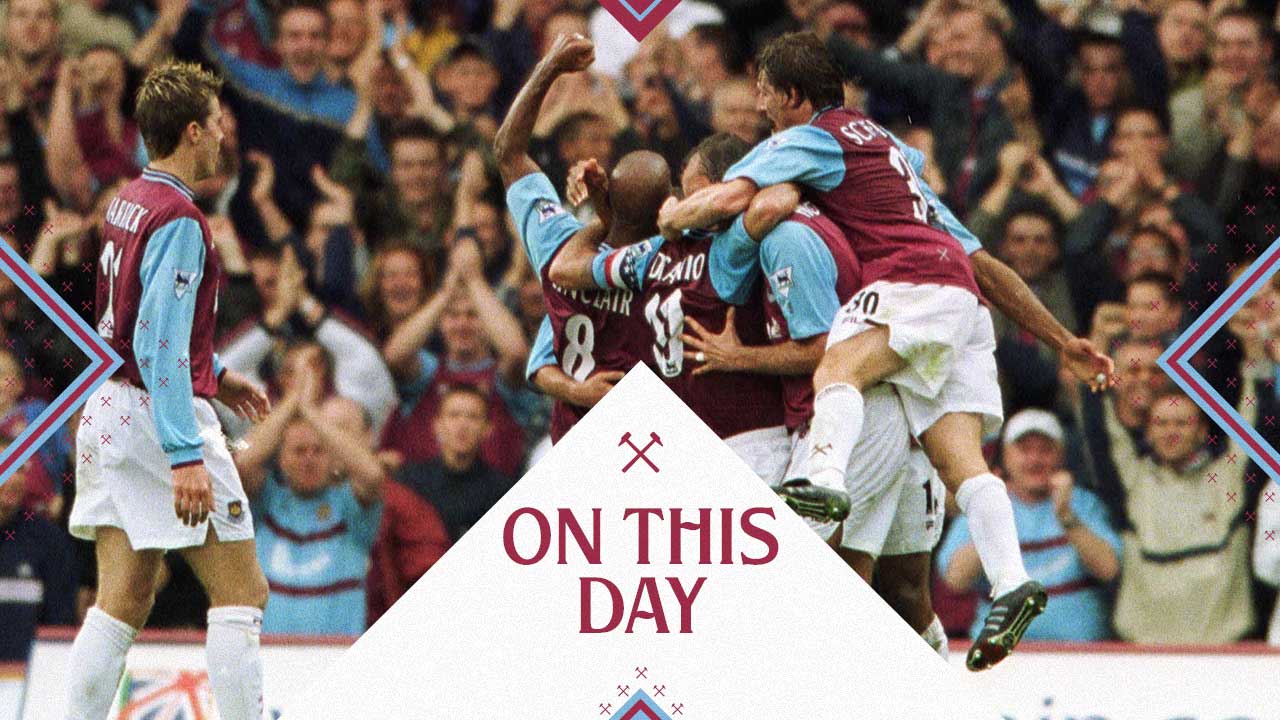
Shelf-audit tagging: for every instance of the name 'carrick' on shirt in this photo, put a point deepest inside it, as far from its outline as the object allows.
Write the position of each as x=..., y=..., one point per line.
x=157, y=297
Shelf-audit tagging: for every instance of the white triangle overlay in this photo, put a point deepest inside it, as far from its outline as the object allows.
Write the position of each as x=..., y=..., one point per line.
x=480, y=636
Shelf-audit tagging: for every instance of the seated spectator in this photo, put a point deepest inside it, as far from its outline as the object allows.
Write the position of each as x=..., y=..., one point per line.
x=1183, y=30
x=1067, y=541
x=483, y=347
x=468, y=81
x=399, y=281
x=37, y=571
x=458, y=482
x=1185, y=572
x=316, y=493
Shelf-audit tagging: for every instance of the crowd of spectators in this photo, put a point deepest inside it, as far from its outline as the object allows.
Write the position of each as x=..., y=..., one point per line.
x=1122, y=156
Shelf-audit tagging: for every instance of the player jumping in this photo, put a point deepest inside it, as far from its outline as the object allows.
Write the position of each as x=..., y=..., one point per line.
x=149, y=438
x=919, y=321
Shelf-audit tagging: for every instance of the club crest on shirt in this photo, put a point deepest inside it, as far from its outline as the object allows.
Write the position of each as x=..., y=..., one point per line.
x=547, y=210
x=780, y=281
x=182, y=280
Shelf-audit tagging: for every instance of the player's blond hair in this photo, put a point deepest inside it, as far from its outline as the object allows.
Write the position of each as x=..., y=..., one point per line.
x=173, y=96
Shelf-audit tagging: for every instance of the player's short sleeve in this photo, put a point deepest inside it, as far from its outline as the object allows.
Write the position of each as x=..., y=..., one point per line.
x=544, y=224
x=802, y=274
x=945, y=217
x=625, y=267
x=732, y=262
x=803, y=154
x=542, y=353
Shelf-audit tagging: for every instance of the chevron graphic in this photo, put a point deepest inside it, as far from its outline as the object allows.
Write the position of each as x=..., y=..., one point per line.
x=103, y=361
x=639, y=17
x=1176, y=360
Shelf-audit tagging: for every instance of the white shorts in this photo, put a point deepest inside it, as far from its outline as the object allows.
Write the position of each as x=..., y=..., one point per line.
x=123, y=478
x=880, y=460
x=765, y=451
x=906, y=518
x=947, y=340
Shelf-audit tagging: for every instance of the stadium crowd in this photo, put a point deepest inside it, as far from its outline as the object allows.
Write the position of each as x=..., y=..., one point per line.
x=1121, y=155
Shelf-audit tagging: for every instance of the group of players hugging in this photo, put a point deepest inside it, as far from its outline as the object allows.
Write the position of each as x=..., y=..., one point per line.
x=858, y=377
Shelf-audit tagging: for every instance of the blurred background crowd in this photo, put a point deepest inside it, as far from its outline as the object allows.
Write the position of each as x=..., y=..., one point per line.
x=1123, y=156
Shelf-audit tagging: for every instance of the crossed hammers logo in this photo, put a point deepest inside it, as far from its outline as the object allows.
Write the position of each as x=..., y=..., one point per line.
x=640, y=452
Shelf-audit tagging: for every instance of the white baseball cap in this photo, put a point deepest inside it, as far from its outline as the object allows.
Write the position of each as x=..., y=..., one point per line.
x=1033, y=420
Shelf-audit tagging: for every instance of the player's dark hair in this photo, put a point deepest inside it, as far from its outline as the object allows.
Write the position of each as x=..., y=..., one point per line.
x=717, y=153
x=801, y=62
x=172, y=97
x=463, y=389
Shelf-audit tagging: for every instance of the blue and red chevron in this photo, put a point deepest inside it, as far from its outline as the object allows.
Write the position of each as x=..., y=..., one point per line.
x=1176, y=360
x=103, y=361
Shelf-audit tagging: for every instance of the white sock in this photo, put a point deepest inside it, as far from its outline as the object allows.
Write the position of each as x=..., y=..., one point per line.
x=936, y=637
x=837, y=423
x=96, y=665
x=235, y=668
x=984, y=500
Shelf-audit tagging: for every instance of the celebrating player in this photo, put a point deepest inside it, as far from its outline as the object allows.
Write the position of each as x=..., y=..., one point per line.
x=703, y=281
x=149, y=438
x=591, y=330
x=918, y=323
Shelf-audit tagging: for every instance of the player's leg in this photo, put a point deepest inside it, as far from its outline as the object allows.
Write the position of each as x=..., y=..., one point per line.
x=858, y=561
x=237, y=590
x=903, y=582
x=953, y=444
x=126, y=593
x=848, y=367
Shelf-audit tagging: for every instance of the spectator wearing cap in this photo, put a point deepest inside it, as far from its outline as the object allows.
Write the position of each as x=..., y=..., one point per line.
x=37, y=572
x=1066, y=538
x=458, y=482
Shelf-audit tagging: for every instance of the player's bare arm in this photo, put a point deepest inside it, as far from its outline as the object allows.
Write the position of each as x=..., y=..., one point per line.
x=724, y=351
x=556, y=383
x=770, y=207
x=511, y=144
x=708, y=207
x=1011, y=295
x=571, y=267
